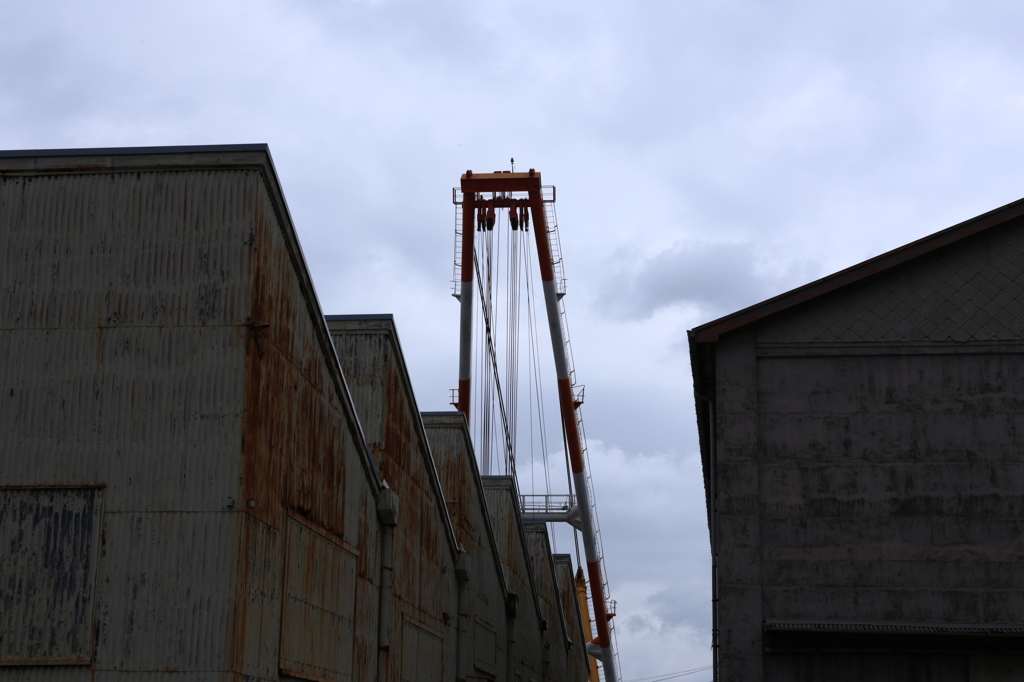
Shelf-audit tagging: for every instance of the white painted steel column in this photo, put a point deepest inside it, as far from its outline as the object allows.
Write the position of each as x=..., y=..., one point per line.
x=573, y=438
x=466, y=303
x=465, y=342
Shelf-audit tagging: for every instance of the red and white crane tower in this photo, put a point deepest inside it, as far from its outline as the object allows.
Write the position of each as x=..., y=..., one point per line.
x=484, y=196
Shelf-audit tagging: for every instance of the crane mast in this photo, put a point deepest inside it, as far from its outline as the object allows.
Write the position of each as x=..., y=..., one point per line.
x=522, y=195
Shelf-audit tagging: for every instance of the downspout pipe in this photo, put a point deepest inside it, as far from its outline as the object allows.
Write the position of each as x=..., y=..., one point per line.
x=387, y=513
x=511, y=611
x=713, y=530
x=463, y=573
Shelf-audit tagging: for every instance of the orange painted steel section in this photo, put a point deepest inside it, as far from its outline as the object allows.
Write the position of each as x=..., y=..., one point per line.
x=600, y=608
x=463, y=404
x=568, y=410
x=540, y=231
x=500, y=182
x=468, y=228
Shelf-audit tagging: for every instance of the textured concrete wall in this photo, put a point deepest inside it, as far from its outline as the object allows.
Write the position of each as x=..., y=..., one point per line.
x=739, y=578
x=891, y=486
x=870, y=468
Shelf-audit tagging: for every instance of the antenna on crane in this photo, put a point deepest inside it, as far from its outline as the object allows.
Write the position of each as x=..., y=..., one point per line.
x=484, y=198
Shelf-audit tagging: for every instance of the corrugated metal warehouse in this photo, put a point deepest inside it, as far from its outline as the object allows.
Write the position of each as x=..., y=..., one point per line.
x=862, y=446
x=202, y=478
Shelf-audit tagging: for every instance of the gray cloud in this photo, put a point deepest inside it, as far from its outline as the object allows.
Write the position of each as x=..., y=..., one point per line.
x=749, y=147
x=713, y=278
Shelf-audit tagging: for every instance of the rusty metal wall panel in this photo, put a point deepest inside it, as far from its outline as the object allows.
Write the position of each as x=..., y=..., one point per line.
x=123, y=296
x=556, y=636
x=256, y=625
x=424, y=585
x=169, y=676
x=167, y=590
x=525, y=629
x=422, y=654
x=318, y=619
x=47, y=673
x=106, y=249
x=300, y=443
x=488, y=649
x=463, y=489
x=302, y=449
x=365, y=361
x=577, y=661
x=160, y=335
x=48, y=563
x=155, y=414
x=450, y=447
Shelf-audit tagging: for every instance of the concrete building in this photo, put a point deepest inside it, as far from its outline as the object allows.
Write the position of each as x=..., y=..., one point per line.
x=862, y=446
x=202, y=478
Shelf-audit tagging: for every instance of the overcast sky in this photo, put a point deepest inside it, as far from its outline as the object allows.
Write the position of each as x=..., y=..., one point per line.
x=708, y=154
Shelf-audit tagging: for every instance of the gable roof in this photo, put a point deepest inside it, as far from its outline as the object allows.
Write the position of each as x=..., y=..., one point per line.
x=712, y=331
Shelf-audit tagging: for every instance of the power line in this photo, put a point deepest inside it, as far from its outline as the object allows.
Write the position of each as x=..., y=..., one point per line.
x=670, y=676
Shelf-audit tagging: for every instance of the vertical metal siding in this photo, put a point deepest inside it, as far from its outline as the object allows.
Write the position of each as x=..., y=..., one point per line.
x=47, y=673
x=139, y=248
x=424, y=585
x=556, y=635
x=464, y=494
x=120, y=312
x=301, y=454
x=256, y=625
x=167, y=590
x=502, y=501
x=131, y=331
x=577, y=661
x=318, y=619
x=422, y=654
x=48, y=541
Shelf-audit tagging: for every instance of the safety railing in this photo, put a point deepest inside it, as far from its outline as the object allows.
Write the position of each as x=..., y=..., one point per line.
x=547, y=503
